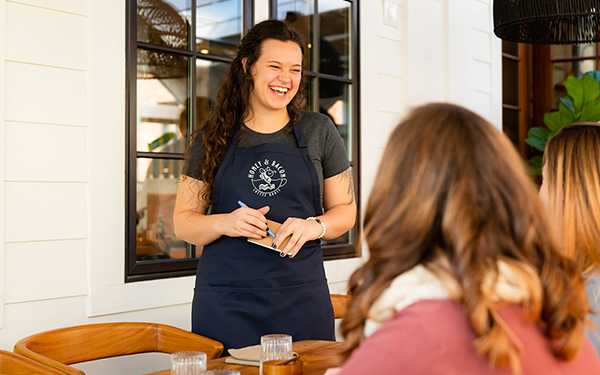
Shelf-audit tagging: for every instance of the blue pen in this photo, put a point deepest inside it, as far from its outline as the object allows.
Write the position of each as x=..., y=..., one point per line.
x=242, y=204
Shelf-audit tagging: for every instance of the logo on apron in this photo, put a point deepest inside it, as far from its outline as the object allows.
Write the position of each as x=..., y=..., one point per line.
x=268, y=177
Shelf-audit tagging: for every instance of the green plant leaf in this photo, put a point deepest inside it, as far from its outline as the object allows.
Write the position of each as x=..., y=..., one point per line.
x=576, y=91
x=594, y=74
x=537, y=137
x=591, y=111
x=162, y=140
x=534, y=165
x=591, y=88
x=555, y=121
x=567, y=101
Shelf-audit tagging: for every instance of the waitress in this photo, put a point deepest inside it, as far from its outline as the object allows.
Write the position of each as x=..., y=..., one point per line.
x=287, y=165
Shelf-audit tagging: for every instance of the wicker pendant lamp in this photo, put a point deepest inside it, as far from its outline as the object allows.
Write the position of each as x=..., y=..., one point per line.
x=547, y=21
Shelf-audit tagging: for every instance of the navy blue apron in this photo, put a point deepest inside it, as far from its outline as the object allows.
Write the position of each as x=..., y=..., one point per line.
x=243, y=290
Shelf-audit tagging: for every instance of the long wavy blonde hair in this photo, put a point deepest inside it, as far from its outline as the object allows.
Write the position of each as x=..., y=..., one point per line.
x=572, y=162
x=452, y=194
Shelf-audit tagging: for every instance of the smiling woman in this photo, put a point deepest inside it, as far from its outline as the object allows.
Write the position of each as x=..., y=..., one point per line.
x=288, y=166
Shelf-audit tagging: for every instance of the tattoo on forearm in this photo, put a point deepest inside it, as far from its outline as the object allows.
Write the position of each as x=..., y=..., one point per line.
x=347, y=175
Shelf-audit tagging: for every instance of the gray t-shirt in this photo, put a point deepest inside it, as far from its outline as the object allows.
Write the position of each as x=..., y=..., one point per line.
x=325, y=145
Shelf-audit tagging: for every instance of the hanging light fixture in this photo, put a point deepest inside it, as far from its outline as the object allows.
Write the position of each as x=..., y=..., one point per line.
x=547, y=21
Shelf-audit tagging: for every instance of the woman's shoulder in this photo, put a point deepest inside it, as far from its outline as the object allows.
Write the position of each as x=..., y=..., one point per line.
x=315, y=120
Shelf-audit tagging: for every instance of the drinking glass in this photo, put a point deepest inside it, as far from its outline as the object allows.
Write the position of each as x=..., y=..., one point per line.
x=222, y=371
x=275, y=347
x=188, y=363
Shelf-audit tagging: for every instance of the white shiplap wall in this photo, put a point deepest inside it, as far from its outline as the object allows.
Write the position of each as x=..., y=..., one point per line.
x=62, y=74
x=45, y=168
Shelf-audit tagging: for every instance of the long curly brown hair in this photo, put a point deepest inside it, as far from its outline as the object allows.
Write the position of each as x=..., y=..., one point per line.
x=233, y=103
x=452, y=194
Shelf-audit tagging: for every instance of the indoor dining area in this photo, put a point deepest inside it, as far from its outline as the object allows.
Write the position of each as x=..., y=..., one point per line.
x=317, y=187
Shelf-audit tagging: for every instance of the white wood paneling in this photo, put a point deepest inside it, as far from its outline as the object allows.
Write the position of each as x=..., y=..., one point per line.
x=24, y=319
x=41, y=152
x=386, y=31
x=57, y=266
x=45, y=95
x=389, y=93
x=482, y=16
x=482, y=104
x=107, y=127
x=45, y=211
x=69, y=6
x=482, y=76
x=389, y=57
x=111, y=299
x=2, y=154
x=481, y=45
x=47, y=37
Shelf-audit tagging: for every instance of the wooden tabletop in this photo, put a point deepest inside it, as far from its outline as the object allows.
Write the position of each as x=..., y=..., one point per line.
x=317, y=357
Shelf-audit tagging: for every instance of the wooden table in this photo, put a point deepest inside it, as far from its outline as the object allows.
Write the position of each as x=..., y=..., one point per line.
x=317, y=357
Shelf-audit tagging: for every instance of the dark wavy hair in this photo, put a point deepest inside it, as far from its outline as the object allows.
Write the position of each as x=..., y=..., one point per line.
x=233, y=103
x=452, y=194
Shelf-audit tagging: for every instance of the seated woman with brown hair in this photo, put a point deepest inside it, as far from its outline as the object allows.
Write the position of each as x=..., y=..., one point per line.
x=463, y=276
x=571, y=193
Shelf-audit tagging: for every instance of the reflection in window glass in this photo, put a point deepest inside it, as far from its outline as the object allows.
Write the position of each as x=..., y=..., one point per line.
x=300, y=14
x=162, y=91
x=209, y=77
x=156, y=192
x=165, y=23
x=335, y=102
x=563, y=70
x=335, y=37
x=569, y=51
x=218, y=26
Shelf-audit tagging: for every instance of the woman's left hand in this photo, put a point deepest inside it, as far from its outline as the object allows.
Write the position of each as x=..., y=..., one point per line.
x=301, y=231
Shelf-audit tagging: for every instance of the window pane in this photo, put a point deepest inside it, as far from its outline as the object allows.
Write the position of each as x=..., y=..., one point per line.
x=300, y=14
x=309, y=96
x=565, y=69
x=335, y=101
x=510, y=82
x=162, y=92
x=335, y=37
x=510, y=125
x=156, y=191
x=511, y=48
x=568, y=51
x=165, y=23
x=209, y=77
x=218, y=26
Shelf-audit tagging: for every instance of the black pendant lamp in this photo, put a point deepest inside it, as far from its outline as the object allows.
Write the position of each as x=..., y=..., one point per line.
x=547, y=21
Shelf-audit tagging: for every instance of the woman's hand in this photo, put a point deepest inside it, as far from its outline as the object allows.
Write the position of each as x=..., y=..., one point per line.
x=301, y=231
x=244, y=222
x=333, y=371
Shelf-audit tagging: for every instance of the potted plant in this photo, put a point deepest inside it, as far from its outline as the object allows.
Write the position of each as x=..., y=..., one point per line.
x=580, y=105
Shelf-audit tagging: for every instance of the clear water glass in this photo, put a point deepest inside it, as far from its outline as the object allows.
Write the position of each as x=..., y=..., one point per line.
x=222, y=371
x=275, y=347
x=188, y=363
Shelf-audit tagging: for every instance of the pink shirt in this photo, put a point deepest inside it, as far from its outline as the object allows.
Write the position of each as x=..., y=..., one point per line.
x=433, y=337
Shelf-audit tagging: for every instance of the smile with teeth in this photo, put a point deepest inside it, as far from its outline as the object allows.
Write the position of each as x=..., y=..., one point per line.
x=280, y=91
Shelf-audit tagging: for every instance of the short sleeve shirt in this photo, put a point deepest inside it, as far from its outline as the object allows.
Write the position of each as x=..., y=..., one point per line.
x=325, y=145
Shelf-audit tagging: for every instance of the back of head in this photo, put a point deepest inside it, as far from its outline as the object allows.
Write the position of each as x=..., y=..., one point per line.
x=452, y=194
x=572, y=176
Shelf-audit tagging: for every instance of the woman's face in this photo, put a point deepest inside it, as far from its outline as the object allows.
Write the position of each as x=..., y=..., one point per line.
x=276, y=75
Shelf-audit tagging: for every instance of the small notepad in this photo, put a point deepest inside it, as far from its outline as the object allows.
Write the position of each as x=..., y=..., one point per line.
x=268, y=240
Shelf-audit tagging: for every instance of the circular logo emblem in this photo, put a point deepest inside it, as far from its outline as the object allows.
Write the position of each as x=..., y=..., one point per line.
x=268, y=177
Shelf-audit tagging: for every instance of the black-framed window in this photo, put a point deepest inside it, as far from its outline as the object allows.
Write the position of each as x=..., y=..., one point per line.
x=178, y=52
x=329, y=29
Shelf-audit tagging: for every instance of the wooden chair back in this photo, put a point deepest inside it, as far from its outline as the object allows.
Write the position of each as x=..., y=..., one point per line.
x=339, y=302
x=15, y=364
x=65, y=346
